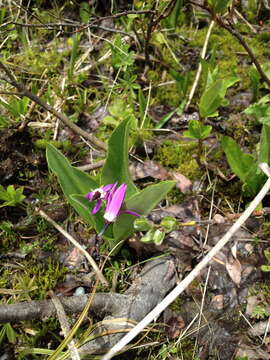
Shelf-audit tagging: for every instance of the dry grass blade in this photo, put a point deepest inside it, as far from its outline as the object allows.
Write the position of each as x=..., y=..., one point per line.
x=75, y=243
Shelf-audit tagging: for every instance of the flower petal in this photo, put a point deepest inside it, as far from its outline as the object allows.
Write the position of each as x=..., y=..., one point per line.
x=114, y=203
x=97, y=207
x=131, y=212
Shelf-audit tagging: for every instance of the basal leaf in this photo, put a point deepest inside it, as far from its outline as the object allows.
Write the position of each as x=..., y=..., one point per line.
x=116, y=166
x=71, y=179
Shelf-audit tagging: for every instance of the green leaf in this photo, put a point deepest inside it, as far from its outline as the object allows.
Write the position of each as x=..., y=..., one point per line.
x=264, y=150
x=142, y=203
x=211, y=99
x=172, y=19
x=197, y=130
x=11, y=333
x=86, y=207
x=72, y=180
x=242, y=164
x=85, y=12
x=116, y=166
x=219, y=6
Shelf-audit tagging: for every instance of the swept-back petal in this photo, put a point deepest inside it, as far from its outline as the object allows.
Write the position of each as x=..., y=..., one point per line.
x=97, y=207
x=114, y=203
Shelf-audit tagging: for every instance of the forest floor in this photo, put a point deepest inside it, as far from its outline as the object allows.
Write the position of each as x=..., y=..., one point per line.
x=98, y=64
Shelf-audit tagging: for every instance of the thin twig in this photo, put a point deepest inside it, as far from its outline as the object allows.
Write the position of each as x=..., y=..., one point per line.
x=229, y=26
x=190, y=277
x=75, y=243
x=11, y=80
x=232, y=30
x=64, y=325
x=93, y=166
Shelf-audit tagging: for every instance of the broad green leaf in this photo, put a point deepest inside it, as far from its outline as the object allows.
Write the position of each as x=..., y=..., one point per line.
x=116, y=166
x=172, y=19
x=72, y=180
x=242, y=164
x=197, y=130
x=211, y=99
x=85, y=211
x=264, y=151
x=142, y=203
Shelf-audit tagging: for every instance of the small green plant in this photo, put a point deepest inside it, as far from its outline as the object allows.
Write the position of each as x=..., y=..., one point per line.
x=266, y=267
x=244, y=165
x=16, y=107
x=260, y=312
x=155, y=233
x=121, y=56
x=110, y=202
x=11, y=196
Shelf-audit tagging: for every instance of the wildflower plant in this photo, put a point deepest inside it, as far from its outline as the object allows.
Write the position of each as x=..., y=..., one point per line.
x=111, y=202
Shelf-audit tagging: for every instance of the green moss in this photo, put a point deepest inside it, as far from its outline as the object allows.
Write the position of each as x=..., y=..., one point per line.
x=265, y=229
x=176, y=304
x=163, y=94
x=180, y=157
x=32, y=280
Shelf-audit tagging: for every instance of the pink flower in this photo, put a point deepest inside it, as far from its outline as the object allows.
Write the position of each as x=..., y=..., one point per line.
x=113, y=197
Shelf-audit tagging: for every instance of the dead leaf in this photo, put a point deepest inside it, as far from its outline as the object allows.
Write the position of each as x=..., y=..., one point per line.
x=183, y=183
x=234, y=269
x=174, y=323
x=217, y=302
x=148, y=168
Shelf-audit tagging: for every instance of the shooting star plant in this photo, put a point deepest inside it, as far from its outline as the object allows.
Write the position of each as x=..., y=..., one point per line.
x=122, y=204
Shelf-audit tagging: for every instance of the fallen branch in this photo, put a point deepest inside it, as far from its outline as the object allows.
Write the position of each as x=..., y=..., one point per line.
x=121, y=310
x=194, y=273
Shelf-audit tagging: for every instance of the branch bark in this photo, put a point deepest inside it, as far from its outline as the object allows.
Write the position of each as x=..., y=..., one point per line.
x=155, y=281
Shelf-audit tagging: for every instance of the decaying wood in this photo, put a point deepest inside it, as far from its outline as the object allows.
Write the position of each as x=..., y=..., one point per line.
x=148, y=289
